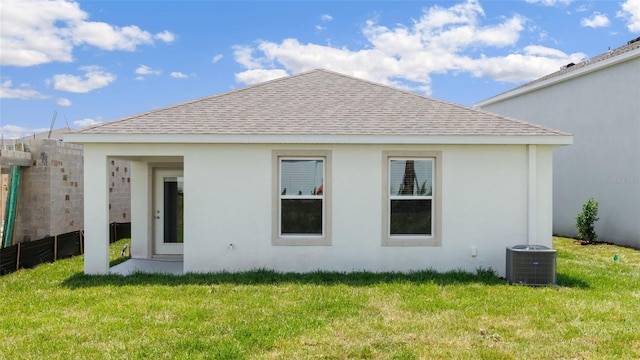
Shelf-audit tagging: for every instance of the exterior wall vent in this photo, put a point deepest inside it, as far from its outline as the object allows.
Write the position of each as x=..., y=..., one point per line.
x=533, y=265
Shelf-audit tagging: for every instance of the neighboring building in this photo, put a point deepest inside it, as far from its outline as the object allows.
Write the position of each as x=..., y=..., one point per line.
x=322, y=171
x=51, y=188
x=598, y=100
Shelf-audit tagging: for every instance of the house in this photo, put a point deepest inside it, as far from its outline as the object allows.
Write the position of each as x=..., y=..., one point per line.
x=49, y=192
x=598, y=100
x=322, y=171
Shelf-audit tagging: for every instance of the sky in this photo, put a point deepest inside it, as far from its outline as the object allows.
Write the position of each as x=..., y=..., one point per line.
x=86, y=62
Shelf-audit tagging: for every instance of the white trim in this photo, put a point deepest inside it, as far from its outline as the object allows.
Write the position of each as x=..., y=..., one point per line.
x=559, y=139
x=434, y=239
x=392, y=197
x=160, y=176
x=410, y=197
x=532, y=204
x=300, y=197
x=323, y=239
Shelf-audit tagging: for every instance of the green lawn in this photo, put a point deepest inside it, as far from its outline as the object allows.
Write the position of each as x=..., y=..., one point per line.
x=53, y=311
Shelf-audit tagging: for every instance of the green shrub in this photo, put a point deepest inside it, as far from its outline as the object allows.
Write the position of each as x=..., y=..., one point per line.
x=586, y=220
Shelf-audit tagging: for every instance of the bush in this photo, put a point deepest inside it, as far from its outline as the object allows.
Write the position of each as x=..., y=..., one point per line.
x=586, y=220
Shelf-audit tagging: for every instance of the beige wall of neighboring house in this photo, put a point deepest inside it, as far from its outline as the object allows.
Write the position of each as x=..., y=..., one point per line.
x=599, y=102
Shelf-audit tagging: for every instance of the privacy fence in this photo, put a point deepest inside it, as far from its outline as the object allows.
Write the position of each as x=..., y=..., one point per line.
x=33, y=253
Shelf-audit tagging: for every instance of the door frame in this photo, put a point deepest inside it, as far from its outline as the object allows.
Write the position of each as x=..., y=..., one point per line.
x=159, y=247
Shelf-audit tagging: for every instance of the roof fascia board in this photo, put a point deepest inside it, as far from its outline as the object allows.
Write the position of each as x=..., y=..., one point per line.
x=319, y=139
x=560, y=78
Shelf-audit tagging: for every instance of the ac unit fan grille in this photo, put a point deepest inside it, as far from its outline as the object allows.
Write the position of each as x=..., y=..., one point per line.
x=531, y=265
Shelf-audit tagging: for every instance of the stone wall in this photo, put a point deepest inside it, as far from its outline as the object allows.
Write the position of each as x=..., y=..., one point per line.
x=51, y=199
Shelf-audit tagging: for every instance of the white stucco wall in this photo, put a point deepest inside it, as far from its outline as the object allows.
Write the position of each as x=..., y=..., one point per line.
x=602, y=110
x=228, y=200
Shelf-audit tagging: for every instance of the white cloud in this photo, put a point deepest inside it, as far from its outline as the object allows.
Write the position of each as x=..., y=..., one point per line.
x=324, y=18
x=64, y=102
x=107, y=37
x=550, y=2
x=244, y=55
x=146, y=70
x=179, y=75
x=23, y=92
x=532, y=63
x=40, y=31
x=165, y=36
x=631, y=13
x=86, y=122
x=583, y=7
x=94, y=78
x=16, y=132
x=442, y=40
x=595, y=21
x=543, y=51
x=259, y=75
x=217, y=58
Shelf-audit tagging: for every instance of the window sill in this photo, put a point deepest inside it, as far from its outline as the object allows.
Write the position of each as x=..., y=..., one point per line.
x=301, y=241
x=411, y=241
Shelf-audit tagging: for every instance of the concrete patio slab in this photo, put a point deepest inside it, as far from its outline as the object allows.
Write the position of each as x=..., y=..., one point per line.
x=152, y=266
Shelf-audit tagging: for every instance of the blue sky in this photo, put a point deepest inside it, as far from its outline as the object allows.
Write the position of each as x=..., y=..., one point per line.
x=96, y=61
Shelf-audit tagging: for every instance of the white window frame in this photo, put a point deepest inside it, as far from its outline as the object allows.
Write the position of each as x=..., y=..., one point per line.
x=434, y=239
x=323, y=239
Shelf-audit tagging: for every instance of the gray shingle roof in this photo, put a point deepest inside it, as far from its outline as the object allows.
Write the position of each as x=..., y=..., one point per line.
x=319, y=102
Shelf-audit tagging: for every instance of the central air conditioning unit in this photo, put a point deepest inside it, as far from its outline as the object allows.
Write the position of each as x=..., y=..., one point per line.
x=533, y=265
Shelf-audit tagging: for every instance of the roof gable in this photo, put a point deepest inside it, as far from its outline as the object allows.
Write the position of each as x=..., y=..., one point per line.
x=319, y=102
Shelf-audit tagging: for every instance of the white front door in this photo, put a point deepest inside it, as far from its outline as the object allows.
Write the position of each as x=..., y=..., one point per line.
x=168, y=212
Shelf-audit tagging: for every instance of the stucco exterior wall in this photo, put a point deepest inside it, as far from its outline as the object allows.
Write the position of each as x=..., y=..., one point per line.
x=602, y=110
x=228, y=200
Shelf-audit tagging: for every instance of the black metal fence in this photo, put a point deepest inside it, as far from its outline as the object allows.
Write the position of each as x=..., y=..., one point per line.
x=33, y=253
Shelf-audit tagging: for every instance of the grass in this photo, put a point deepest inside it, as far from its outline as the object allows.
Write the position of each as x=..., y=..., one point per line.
x=56, y=312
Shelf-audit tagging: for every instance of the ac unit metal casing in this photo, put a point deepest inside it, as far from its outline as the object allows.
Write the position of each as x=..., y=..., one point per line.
x=533, y=265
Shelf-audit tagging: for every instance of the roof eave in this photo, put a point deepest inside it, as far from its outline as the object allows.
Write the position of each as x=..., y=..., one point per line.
x=550, y=139
x=527, y=88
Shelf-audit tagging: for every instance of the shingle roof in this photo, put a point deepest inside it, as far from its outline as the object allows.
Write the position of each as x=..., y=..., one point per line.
x=319, y=102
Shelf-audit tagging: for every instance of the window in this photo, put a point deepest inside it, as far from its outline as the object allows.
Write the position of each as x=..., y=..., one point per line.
x=301, y=198
x=411, y=207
